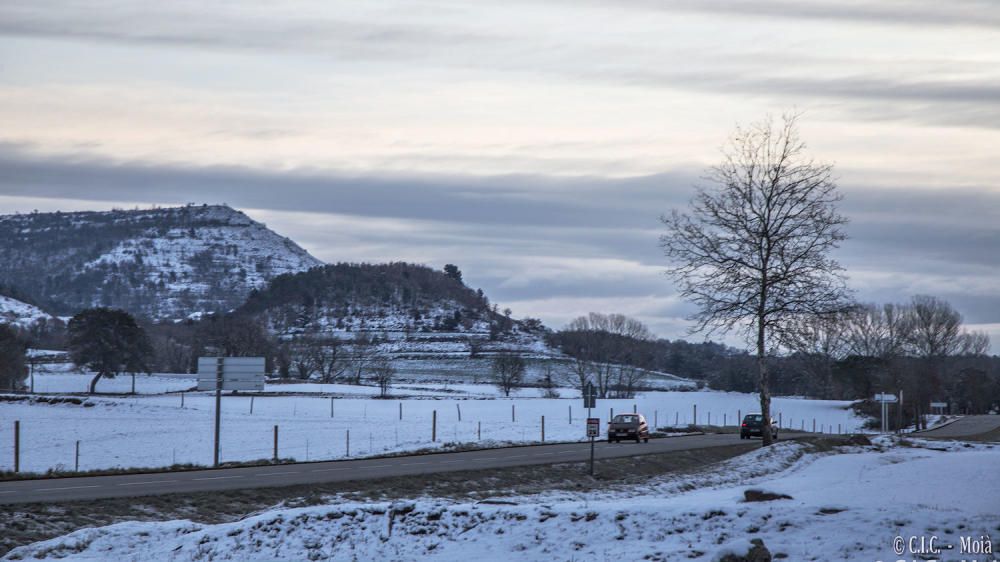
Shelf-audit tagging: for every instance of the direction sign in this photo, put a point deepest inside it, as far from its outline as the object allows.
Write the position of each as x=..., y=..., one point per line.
x=939, y=404
x=882, y=397
x=593, y=427
x=589, y=396
x=238, y=373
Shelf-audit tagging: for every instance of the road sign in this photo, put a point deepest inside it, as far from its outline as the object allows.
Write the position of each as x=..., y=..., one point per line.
x=891, y=398
x=593, y=427
x=939, y=404
x=589, y=396
x=238, y=373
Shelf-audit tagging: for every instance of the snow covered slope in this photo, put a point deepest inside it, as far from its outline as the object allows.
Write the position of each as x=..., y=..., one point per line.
x=13, y=311
x=846, y=506
x=159, y=263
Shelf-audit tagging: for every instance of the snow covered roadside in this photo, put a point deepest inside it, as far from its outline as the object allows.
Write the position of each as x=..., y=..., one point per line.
x=843, y=507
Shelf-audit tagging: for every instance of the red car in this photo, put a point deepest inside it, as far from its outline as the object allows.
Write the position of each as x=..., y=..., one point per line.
x=628, y=426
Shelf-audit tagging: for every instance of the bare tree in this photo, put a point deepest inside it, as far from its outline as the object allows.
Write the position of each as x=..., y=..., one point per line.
x=935, y=333
x=935, y=328
x=876, y=331
x=627, y=380
x=382, y=372
x=362, y=351
x=753, y=253
x=549, y=385
x=508, y=371
x=977, y=343
x=603, y=347
x=327, y=359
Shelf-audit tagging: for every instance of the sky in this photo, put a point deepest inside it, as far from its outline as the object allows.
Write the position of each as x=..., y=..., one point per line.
x=533, y=143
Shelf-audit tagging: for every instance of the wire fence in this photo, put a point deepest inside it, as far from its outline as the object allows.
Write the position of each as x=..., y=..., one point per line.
x=165, y=430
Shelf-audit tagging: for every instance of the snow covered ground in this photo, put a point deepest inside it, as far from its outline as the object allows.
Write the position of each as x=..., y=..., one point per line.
x=846, y=506
x=155, y=430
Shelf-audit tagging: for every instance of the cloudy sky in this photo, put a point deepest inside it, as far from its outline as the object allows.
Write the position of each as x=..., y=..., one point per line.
x=534, y=143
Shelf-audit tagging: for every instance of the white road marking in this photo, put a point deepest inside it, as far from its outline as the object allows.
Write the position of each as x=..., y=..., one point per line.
x=218, y=478
x=377, y=465
x=66, y=488
x=8, y=492
x=147, y=482
x=277, y=473
x=329, y=469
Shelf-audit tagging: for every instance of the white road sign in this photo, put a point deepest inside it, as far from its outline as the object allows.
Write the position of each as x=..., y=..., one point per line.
x=593, y=427
x=238, y=373
x=886, y=398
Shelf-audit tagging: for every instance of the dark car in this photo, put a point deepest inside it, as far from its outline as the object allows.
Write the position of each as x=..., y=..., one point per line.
x=753, y=426
x=628, y=426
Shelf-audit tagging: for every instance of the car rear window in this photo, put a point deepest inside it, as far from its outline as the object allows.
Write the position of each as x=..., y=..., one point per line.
x=756, y=418
x=625, y=419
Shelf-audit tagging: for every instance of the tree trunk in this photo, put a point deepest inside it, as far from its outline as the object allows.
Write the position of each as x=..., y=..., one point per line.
x=93, y=382
x=764, y=384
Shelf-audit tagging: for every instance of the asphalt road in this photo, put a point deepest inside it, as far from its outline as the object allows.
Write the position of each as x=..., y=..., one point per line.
x=967, y=426
x=131, y=485
x=209, y=480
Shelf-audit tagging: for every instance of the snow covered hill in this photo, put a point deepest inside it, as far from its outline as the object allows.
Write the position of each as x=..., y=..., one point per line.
x=159, y=263
x=413, y=311
x=22, y=314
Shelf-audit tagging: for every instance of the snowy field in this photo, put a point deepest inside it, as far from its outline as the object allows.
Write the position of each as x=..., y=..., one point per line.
x=156, y=430
x=848, y=505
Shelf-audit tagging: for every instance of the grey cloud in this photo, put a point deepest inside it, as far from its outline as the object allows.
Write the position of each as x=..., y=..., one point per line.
x=882, y=92
x=971, y=13
x=502, y=229
x=166, y=26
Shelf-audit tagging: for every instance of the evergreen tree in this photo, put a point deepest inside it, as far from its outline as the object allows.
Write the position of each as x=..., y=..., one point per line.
x=108, y=342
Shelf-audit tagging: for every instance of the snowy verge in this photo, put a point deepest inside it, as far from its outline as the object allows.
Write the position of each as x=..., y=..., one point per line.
x=846, y=506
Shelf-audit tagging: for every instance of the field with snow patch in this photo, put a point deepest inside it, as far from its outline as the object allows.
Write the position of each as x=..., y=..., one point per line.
x=154, y=429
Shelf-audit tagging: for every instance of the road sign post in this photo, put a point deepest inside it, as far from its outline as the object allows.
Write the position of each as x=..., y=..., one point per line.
x=885, y=399
x=228, y=373
x=593, y=430
x=589, y=397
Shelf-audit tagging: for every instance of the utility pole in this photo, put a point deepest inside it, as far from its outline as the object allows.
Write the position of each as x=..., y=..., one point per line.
x=218, y=406
x=17, y=446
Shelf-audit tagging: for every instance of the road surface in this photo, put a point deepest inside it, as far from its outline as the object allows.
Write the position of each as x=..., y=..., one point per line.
x=967, y=426
x=114, y=486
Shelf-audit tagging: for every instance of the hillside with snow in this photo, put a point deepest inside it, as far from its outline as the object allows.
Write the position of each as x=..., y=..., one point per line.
x=415, y=311
x=158, y=263
x=21, y=314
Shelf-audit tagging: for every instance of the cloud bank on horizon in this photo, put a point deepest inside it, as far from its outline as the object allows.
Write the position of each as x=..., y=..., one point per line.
x=535, y=143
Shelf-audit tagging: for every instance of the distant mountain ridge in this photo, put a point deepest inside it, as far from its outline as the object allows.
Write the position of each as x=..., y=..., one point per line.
x=162, y=263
